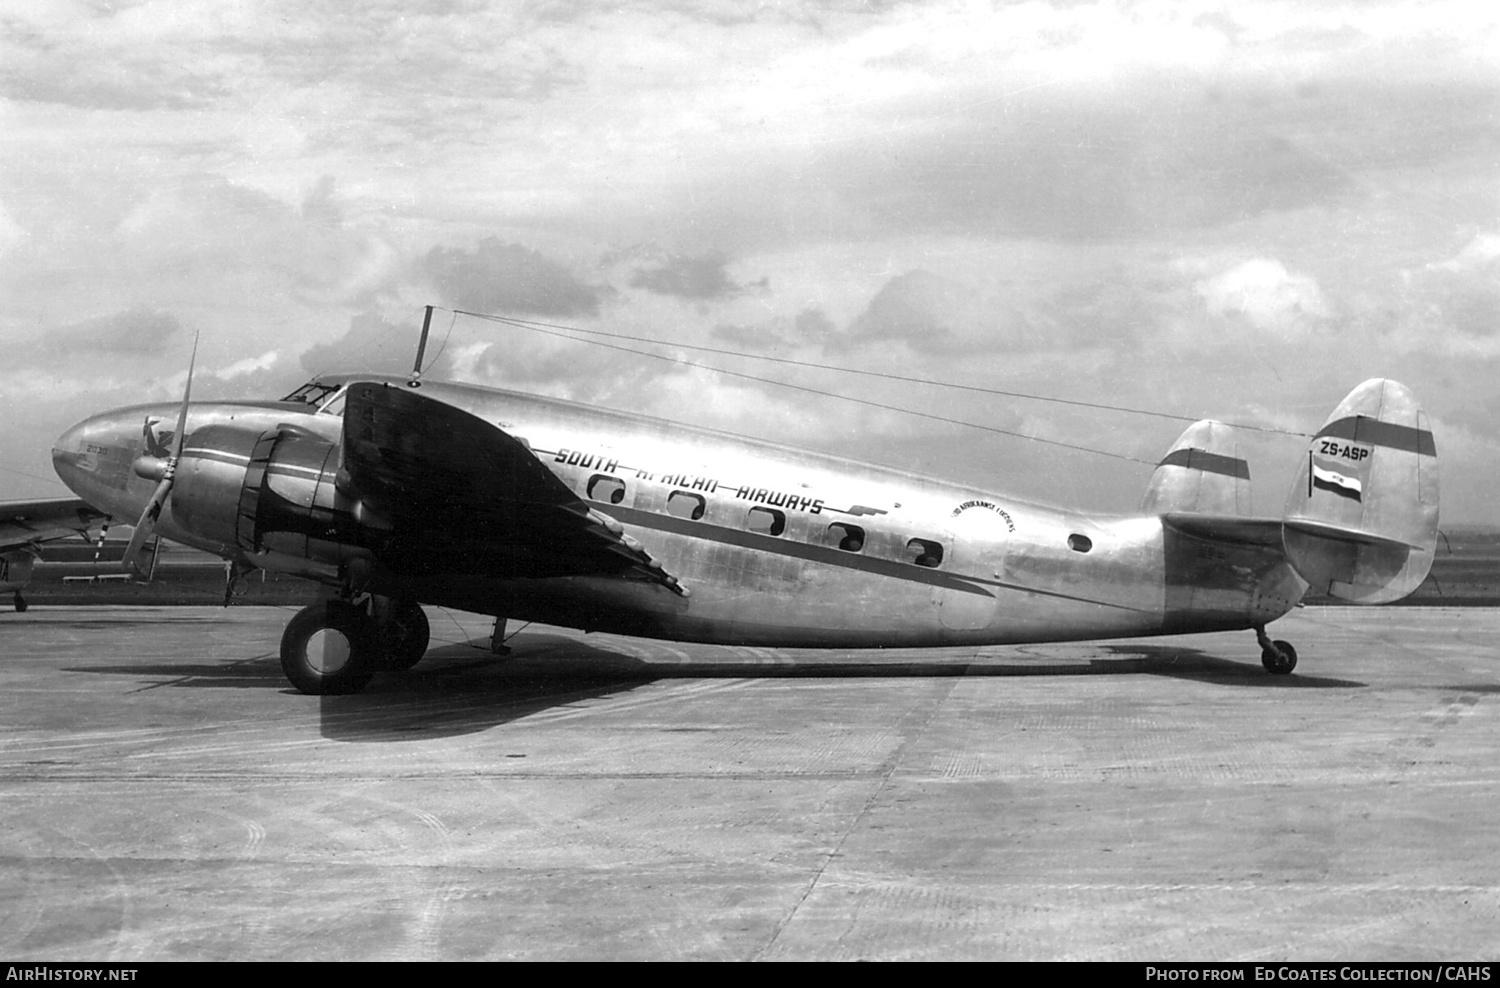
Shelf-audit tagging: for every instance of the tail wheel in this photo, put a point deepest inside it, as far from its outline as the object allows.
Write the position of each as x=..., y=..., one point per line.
x=329, y=648
x=404, y=636
x=1279, y=659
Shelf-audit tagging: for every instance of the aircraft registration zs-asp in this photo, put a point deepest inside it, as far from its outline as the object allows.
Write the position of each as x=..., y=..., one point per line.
x=395, y=492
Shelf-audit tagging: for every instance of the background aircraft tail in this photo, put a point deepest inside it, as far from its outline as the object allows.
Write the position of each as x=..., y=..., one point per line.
x=1202, y=473
x=1361, y=518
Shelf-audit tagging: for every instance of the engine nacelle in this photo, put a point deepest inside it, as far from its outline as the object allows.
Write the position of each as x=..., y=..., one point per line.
x=268, y=493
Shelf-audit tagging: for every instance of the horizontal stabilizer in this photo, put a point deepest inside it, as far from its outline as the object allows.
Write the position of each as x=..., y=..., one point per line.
x=1361, y=518
x=1269, y=532
x=1226, y=528
x=1351, y=535
x=1203, y=472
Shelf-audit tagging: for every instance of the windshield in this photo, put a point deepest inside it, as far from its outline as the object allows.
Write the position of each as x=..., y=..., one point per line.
x=316, y=394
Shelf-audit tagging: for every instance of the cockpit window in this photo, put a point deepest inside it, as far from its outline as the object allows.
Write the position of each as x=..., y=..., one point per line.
x=314, y=393
x=335, y=404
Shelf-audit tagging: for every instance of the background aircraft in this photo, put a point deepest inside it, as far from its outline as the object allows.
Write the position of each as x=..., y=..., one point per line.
x=26, y=525
x=395, y=492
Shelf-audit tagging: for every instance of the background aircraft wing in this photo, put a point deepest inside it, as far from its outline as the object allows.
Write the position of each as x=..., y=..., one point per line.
x=462, y=496
x=34, y=522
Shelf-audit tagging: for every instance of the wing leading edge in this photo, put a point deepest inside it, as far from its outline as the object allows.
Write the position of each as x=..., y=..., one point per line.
x=462, y=496
x=24, y=523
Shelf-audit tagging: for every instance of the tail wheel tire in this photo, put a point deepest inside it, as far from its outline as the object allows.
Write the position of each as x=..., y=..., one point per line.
x=329, y=648
x=1279, y=659
x=404, y=637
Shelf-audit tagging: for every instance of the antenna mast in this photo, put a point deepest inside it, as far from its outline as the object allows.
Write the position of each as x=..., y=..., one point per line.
x=416, y=367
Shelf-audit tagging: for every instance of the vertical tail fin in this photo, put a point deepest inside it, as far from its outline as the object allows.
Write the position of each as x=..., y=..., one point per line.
x=1203, y=473
x=1361, y=517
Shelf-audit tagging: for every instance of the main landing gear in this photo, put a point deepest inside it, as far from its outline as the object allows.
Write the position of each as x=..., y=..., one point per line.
x=1278, y=657
x=20, y=603
x=336, y=646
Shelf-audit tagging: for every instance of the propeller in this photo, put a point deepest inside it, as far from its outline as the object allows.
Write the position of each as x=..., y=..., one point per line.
x=134, y=553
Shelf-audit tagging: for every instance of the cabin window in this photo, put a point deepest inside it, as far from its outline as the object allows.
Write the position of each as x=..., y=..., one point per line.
x=925, y=552
x=767, y=520
x=603, y=487
x=1080, y=543
x=685, y=504
x=850, y=538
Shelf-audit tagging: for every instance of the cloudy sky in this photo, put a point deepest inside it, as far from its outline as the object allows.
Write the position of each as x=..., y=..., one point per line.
x=1236, y=210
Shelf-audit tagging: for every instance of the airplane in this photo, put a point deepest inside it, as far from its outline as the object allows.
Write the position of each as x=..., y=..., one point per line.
x=394, y=492
x=25, y=526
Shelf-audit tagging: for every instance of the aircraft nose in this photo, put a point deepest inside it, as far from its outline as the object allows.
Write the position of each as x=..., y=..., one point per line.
x=67, y=455
x=93, y=458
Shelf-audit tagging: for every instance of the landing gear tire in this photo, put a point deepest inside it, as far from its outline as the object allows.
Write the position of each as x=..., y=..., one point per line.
x=404, y=636
x=329, y=648
x=1279, y=659
x=20, y=603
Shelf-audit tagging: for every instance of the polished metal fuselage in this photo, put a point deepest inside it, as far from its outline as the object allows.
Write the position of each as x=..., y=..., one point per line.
x=778, y=545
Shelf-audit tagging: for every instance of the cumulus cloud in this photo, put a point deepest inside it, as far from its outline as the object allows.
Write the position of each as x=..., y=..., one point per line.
x=1463, y=294
x=942, y=316
x=498, y=277
x=114, y=74
x=696, y=277
x=248, y=366
x=918, y=308
x=214, y=229
x=134, y=333
x=1479, y=254
x=371, y=344
x=1052, y=166
x=767, y=335
x=1264, y=293
x=12, y=234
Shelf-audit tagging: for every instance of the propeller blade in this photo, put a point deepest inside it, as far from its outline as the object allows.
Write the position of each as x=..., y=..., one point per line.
x=187, y=393
x=144, y=527
x=135, y=552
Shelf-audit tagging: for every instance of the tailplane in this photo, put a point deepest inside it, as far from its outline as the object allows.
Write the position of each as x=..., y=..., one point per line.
x=1361, y=517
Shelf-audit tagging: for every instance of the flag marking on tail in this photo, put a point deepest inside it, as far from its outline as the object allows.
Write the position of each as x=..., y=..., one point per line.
x=1323, y=479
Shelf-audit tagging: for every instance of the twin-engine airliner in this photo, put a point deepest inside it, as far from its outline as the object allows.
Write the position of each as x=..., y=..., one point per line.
x=396, y=492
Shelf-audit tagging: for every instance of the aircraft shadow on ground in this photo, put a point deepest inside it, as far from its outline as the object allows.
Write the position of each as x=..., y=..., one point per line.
x=459, y=689
x=1191, y=663
x=462, y=688
x=260, y=672
x=114, y=621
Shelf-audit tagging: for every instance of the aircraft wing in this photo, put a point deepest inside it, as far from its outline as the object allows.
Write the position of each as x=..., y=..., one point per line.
x=24, y=523
x=461, y=496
